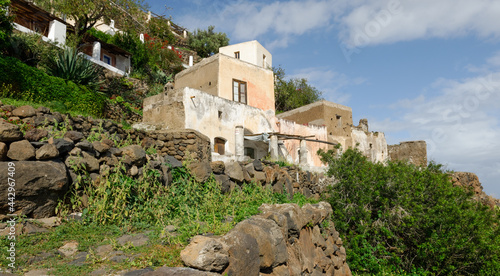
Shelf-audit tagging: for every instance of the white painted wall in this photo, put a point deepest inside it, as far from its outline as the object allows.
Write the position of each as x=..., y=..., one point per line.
x=377, y=152
x=251, y=51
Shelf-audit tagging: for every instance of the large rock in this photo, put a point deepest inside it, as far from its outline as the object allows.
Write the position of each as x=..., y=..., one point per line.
x=269, y=237
x=24, y=111
x=234, y=171
x=206, y=253
x=217, y=167
x=39, y=185
x=9, y=132
x=63, y=145
x=243, y=254
x=47, y=151
x=21, y=150
x=35, y=134
x=200, y=170
x=134, y=155
x=74, y=136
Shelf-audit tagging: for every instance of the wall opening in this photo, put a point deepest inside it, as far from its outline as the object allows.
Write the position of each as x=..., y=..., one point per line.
x=239, y=91
x=250, y=152
x=237, y=55
x=220, y=145
x=339, y=121
x=220, y=115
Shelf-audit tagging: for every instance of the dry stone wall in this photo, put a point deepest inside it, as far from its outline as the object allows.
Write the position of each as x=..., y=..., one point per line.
x=414, y=152
x=283, y=240
x=47, y=147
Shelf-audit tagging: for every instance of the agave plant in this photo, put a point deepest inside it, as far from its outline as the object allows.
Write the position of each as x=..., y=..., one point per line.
x=69, y=65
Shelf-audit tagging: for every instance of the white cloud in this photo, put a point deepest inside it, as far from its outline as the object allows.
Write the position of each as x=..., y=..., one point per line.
x=378, y=22
x=359, y=22
x=460, y=123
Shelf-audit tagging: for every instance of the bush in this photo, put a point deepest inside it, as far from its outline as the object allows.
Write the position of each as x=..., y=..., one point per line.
x=31, y=49
x=30, y=84
x=5, y=23
x=410, y=218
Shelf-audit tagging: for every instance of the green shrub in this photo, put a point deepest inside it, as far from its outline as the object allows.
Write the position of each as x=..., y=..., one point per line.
x=404, y=217
x=5, y=23
x=33, y=85
x=31, y=49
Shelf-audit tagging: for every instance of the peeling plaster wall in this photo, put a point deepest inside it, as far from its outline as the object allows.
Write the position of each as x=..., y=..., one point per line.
x=218, y=117
x=337, y=119
x=371, y=144
x=292, y=146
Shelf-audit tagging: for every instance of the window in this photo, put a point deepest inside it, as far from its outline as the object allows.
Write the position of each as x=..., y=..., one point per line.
x=219, y=145
x=264, y=61
x=239, y=91
x=106, y=59
x=237, y=55
x=339, y=121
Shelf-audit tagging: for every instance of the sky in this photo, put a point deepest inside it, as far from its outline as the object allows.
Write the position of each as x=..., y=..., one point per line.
x=417, y=70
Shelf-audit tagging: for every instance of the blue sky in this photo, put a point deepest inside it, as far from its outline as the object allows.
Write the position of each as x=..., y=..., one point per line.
x=417, y=70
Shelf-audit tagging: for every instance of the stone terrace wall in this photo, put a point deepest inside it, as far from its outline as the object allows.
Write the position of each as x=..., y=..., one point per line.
x=284, y=240
x=55, y=144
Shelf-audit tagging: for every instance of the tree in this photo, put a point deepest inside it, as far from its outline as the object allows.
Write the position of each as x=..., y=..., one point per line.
x=207, y=42
x=292, y=93
x=87, y=13
x=5, y=23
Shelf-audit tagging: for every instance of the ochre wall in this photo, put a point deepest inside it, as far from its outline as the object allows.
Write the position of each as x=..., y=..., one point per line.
x=203, y=76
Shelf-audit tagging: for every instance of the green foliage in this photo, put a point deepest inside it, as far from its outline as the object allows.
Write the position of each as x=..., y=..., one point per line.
x=30, y=49
x=193, y=206
x=158, y=27
x=100, y=35
x=410, y=219
x=207, y=42
x=292, y=93
x=87, y=13
x=5, y=23
x=69, y=65
x=30, y=84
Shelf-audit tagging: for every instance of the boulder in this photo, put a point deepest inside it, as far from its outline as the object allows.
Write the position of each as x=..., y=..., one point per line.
x=206, y=253
x=224, y=182
x=200, y=170
x=100, y=146
x=47, y=151
x=74, y=136
x=234, y=171
x=134, y=154
x=9, y=132
x=257, y=164
x=63, y=145
x=86, y=162
x=24, y=111
x=243, y=254
x=269, y=237
x=39, y=185
x=217, y=167
x=21, y=150
x=172, y=162
x=35, y=134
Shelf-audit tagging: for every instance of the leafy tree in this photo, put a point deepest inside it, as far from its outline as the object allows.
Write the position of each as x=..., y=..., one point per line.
x=292, y=93
x=5, y=23
x=87, y=13
x=207, y=42
x=400, y=217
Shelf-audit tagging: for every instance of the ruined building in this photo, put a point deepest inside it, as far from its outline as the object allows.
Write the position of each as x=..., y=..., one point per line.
x=229, y=97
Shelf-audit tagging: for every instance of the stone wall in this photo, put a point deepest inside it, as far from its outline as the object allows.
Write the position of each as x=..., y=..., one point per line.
x=414, y=152
x=54, y=145
x=284, y=240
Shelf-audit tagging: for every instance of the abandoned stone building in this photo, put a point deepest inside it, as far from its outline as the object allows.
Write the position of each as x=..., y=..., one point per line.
x=229, y=97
